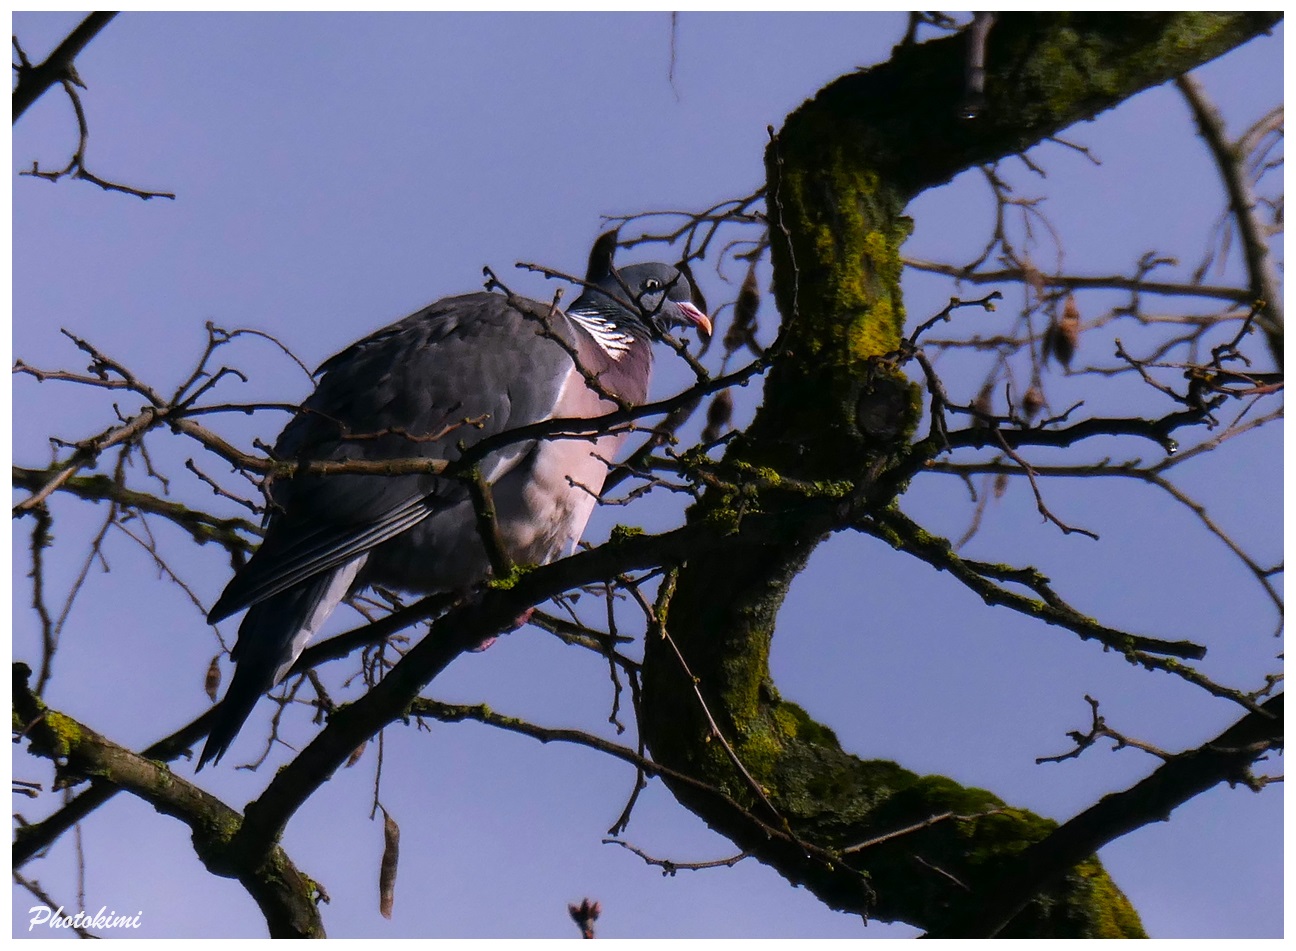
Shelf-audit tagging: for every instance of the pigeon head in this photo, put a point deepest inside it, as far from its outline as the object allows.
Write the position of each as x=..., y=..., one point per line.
x=655, y=297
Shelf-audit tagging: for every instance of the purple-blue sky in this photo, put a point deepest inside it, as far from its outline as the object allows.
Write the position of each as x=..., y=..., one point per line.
x=336, y=172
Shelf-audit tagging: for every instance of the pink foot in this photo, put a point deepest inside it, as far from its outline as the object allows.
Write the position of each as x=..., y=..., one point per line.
x=522, y=619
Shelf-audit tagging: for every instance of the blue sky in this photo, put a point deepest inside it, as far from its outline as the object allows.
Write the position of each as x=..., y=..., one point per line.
x=336, y=172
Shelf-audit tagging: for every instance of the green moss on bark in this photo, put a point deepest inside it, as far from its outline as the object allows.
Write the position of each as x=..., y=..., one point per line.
x=837, y=411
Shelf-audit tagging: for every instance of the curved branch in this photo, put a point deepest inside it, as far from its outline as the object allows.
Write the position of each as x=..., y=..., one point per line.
x=901, y=532
x=840, y=174
x=232, y=533
x=1262, y=273
x=285, y=896
x=29, y=840
x=59, y=66
x=1129, y=470
x=457, y=713
x=1227, y=758
x=161, y=411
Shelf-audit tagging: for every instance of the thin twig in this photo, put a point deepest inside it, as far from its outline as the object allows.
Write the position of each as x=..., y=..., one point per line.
x=669, y=866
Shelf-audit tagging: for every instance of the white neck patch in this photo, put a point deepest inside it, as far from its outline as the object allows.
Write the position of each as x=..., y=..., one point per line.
x=612, y=339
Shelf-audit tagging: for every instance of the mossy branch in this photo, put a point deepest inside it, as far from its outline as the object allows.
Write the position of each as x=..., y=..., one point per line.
x=1227, y=758
x=902, y=533
x=839, y=175
x=234, y=534
x=285, y=896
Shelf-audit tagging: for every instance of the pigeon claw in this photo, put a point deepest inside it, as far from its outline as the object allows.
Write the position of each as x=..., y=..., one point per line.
x=521, y=620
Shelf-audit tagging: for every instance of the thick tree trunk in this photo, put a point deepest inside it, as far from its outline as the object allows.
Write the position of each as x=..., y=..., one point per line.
x=837, y=416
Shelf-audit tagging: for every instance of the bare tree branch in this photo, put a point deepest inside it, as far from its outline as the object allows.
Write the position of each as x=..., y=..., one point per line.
x=1227, y=758
x=1265, y=285
x=1075, y=282
x=285, y=896
x=58, y=67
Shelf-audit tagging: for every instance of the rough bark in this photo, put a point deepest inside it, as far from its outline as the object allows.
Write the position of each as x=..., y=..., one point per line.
x=285, y=896
x=838, y=415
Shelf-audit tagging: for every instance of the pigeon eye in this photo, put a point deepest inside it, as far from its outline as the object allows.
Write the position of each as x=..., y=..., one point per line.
x=652, y=284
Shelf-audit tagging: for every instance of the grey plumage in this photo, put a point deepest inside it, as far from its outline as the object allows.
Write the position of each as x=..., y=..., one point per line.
x=459, y=371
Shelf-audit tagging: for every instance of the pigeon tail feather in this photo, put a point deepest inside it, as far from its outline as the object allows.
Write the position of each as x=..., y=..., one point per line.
x=271, y=638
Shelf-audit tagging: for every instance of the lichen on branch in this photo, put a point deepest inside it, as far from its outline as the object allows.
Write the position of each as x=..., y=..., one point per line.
x=840, y=174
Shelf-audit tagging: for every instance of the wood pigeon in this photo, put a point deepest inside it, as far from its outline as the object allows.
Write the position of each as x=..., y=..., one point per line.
x=444, y=378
